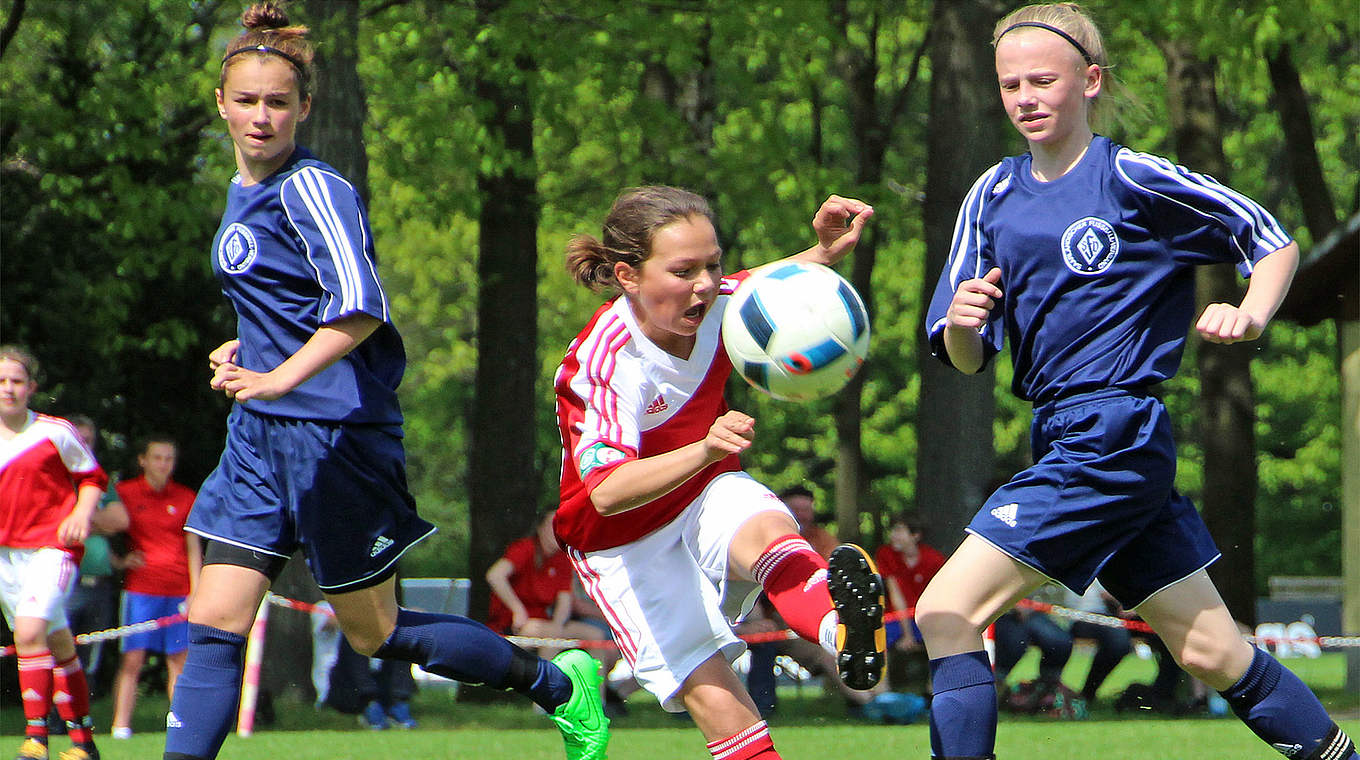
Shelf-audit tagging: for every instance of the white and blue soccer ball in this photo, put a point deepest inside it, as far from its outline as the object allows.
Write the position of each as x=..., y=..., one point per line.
x=796, y=330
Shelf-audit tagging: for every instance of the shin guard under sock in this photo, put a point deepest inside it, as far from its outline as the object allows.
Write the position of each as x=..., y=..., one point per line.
x=963, y=710
x=1278, y=707
x=35, y=691
x=71, y=695
x=207, y=694
x=465, y=650
x=794, y=578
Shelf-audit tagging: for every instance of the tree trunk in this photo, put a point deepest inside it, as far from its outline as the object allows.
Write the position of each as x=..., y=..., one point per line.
x=1296, y=121
x=335, y=129
x=1227, y=404
x=859, y=72
x=874, y=118
x=955, y=459
x=502, y=469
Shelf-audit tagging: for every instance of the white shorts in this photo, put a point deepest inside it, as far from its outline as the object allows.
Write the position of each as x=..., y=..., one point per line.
x=35, y=583
x=667, y=596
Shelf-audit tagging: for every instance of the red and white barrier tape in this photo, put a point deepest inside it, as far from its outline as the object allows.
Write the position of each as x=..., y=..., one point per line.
x=1109, y=621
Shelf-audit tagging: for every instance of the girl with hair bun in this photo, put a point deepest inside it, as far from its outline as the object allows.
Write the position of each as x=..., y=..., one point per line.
x=313, y=458
x=1082, y=252
x=671, y=539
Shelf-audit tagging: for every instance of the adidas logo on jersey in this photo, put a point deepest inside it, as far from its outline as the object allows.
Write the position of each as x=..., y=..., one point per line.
x=172, y=721
x=657, y=406
x=1006, y=513
x=378, y=546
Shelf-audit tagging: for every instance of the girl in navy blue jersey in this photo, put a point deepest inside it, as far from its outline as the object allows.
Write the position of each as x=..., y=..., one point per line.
x=1083, y=253
x=313, y=456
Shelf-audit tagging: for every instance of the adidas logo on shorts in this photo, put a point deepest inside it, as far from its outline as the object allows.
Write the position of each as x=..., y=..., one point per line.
x=378, y=546
x=1006, y=513
x=658, y=406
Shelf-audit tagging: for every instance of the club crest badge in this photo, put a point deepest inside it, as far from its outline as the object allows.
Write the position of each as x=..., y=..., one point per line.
x=1089, y=246
x=237, y=249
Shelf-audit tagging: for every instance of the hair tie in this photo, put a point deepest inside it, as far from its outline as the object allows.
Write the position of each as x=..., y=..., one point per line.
x=1055, y=30
x=269, y=49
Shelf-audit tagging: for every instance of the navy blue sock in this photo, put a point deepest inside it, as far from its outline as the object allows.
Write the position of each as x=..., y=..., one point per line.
x=1285, y=713
x=206, y=694
x=963, y=710
x=465, y=650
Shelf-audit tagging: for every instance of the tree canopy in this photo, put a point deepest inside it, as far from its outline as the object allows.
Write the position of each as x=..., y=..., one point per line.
x=114, y=167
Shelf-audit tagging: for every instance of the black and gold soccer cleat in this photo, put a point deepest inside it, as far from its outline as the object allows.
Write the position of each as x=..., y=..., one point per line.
x=857, y=593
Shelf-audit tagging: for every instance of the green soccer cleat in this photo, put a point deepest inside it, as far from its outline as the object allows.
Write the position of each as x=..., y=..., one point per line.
x=857, y=593
x=581, y=719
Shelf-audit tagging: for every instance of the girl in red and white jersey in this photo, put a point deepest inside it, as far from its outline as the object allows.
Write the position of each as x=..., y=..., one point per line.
x=50, y=485
x=670, y=538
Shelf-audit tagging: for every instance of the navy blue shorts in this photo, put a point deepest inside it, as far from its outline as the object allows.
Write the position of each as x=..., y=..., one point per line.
x=337, y=491
x=1099, y=500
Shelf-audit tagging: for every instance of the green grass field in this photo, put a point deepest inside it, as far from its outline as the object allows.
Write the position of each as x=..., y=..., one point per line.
x=808, y=726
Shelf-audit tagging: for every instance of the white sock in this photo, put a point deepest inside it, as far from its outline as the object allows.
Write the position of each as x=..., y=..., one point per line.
x=826, y=633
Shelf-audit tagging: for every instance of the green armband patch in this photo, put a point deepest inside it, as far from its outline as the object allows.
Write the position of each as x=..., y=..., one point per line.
x=599, y=455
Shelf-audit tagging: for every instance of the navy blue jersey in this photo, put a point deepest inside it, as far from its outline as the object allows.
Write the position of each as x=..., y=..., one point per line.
x=293, y=253
x=1097, y=266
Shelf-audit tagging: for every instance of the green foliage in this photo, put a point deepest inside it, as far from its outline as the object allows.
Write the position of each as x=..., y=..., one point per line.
x=114, y=171
x=1298, y=511
x=110, y=193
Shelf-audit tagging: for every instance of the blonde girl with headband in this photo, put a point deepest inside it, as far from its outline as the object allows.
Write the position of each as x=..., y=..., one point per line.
x=313, y=458
x=1082, y=253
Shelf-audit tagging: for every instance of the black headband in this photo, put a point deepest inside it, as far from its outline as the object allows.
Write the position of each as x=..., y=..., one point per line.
x=302, y=70
x=1055, y=30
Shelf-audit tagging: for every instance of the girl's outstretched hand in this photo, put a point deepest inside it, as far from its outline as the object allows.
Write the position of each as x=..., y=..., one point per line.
x=838, y=224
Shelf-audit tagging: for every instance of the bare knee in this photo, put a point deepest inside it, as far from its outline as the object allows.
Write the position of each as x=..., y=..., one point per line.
x=366, y=643
x=131, y=663
x=942, y=624
x=1216, y=662
x=30, y=634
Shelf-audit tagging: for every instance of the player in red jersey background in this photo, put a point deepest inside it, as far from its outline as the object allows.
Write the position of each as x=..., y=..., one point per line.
x=50, y=484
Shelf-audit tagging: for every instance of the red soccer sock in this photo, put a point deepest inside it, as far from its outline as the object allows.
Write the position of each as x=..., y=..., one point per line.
x=794, y=578
x=71, y=694
x=35, y=687
x=754, y=743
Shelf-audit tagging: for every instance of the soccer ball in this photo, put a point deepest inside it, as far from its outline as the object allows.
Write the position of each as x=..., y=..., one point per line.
x=796, y=330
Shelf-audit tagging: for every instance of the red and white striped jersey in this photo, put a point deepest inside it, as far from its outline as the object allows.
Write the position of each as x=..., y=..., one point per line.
x=41, y=470
x=621, y=397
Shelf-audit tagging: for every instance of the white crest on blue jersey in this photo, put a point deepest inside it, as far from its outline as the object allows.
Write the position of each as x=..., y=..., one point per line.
x=1001, y=186
x=237, y=249
x=1089, y=246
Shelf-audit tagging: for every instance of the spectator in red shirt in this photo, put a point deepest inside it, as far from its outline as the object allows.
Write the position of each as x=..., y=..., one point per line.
x=531, y=589
x=800, y=502
x=159, y=572
x=907, y=564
